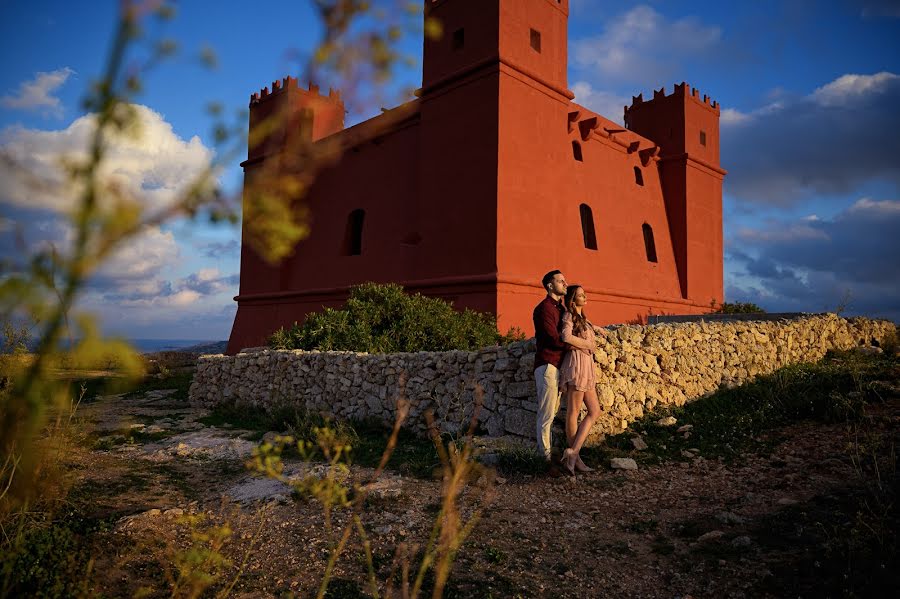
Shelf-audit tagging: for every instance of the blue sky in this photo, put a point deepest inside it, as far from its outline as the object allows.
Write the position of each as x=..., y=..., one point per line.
x=809, y=92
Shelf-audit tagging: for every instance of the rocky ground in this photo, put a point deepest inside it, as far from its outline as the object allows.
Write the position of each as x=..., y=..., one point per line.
x=786, y=522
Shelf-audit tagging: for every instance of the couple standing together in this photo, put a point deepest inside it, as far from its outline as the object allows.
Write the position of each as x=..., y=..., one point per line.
x=564, y=364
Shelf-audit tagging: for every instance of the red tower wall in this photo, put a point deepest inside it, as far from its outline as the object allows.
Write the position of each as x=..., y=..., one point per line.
x=541, y=187
x=686, y=128
x=472, y=192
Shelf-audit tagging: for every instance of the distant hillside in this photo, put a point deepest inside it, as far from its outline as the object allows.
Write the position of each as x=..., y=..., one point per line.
x=148, y=346
x=209, y=347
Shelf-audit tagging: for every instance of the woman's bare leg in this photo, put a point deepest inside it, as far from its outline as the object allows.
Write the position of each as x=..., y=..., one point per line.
x=593, y=406
x=573, y=408
x=574, y=400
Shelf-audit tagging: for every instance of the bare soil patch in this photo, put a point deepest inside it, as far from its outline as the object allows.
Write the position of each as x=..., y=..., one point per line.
x=778, y=522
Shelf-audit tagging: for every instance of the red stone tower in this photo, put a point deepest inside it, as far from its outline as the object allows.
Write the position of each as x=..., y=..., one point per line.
x=687, y=130
x=278, y=120
x=492, y=177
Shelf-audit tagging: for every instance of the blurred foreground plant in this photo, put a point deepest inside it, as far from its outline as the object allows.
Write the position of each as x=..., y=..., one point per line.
x=103, y=215
x=335, y=491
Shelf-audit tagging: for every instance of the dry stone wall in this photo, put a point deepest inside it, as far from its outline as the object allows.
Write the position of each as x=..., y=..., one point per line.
x=638, y=368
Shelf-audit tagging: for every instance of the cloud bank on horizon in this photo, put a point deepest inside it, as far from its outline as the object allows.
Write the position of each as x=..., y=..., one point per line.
x=816, y=264
x=36, y=95
x=826, y=143
x=811, y=199
x=142, y=288
x=829, y=150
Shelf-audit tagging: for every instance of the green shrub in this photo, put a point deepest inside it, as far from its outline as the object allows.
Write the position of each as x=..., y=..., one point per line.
x=738, y=308
x=385, y=319
x=49, y=559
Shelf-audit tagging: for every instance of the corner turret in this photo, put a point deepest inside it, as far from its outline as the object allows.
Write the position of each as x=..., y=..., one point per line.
x=289, y=114
x=680, y=123
x=686, y=128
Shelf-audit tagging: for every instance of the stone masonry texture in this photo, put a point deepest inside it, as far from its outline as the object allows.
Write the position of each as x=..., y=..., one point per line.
x=638, y=369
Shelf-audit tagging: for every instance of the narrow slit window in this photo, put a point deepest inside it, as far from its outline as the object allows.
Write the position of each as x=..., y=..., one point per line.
x=587, y=227
x=703, y=138
x=576, y=151
x=459, y=39
x=353, y=239
x=649, y=243
x=536, y=40
x=638, y=176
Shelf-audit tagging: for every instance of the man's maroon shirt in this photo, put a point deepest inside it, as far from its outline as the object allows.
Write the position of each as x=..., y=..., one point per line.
x=547, y=317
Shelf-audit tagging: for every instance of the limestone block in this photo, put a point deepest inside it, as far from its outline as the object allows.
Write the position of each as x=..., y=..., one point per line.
x=520, y=390
x=503, y=364
x=520, y=422
x=494, y=426
x=527, y=361
x=638, y=368
x=374, y=403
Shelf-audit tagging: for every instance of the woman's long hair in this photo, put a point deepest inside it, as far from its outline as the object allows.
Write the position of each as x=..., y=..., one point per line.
x=580, y=320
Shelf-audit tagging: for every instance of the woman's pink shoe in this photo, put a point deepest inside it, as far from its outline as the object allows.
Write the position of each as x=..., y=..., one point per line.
x=568, y=460
x=581, y=466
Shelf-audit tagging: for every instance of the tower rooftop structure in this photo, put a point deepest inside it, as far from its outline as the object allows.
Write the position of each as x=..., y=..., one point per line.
x=493, y=176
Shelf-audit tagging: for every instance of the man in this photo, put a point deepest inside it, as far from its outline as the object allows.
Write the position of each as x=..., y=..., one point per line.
x=548, y=356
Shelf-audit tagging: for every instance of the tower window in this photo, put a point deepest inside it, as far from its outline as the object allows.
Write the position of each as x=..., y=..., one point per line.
x=353, y=236
x=587, y=227
x=703, y=138
x=536, y=40
x=649, y=244
x=638, y=176
x=459, y=39
x=576, y=151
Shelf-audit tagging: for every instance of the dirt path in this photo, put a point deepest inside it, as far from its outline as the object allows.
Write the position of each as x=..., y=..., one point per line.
x=700, y=528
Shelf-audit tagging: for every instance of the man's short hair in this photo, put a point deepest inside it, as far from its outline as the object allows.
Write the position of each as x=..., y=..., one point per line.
x=548, y=278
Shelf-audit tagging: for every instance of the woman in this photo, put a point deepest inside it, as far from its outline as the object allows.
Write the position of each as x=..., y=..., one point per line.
x=576, y=376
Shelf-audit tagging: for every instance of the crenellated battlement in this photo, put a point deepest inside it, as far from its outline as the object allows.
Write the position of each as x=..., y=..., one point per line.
x=681, y=90
x=282, y=85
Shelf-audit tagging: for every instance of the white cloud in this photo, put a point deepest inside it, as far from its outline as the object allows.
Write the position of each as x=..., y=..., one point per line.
x=37, y=94
x=876, y=208
x=152, y=290
x=730, y=116
x=185, y=297
x=844, y=92
x=794, y=232
x=825, y=144
x=208, y=281
x=847, y=89
x=141, y=258
x=148, y=162
x=642, y=46
x=811, y=263
x=207, y=274
x=607, y=104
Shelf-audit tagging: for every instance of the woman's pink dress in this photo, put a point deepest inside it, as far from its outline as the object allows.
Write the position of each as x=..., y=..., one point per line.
x=578, y=363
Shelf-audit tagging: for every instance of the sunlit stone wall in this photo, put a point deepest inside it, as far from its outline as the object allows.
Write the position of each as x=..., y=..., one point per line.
x=638, y=368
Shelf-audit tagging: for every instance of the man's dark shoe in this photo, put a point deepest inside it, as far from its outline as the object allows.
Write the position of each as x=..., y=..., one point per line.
x=553, y=468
